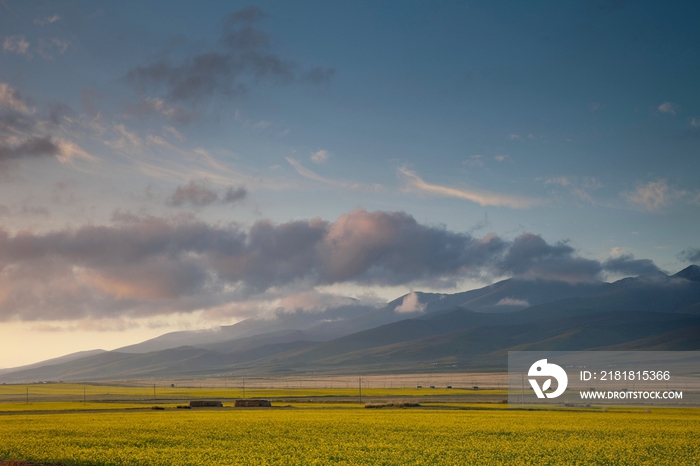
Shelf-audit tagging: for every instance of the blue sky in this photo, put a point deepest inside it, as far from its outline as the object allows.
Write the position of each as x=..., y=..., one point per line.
x=152, y=154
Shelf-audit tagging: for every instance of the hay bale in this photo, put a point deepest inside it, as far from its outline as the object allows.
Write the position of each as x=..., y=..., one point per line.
x=252, y=404
x=206, y=404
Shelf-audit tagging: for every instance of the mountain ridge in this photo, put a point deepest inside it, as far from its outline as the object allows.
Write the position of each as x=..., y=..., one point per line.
x=659, y=311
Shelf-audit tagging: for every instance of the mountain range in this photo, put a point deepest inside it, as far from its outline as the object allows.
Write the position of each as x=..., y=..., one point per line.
x=472, y=330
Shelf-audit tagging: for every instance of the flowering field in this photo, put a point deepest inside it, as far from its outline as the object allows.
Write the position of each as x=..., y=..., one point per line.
x=350, y=436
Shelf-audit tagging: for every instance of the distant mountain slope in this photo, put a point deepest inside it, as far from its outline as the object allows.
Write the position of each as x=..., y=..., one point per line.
x=514, y=295
x=256, y=341
x=658, y=312
x=659, y=293
x=175, y=362
x=587, y=331
x=692, y=273
x=248, y=328
x=59, y=360
x=684, y=339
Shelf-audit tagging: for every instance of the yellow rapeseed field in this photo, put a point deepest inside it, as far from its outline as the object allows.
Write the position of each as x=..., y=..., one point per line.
x=298, y=436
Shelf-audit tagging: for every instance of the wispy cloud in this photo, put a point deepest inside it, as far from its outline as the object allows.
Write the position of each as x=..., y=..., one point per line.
x=483, y=198
x=668, y=107
x=320, y=156
x=16, y=44
x=520, y=137
x=305, y=172
x=475, y=161
x=579, y=187
x=560, y=180
x=512, y=302
x=654, y=195
x=47, y=20
x=11, y=100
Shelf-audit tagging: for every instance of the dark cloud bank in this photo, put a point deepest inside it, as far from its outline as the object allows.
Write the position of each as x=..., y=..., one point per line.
x=147, y=265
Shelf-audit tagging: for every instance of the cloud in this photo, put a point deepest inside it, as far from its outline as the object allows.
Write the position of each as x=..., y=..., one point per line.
x=560, y=180
x=34, y=210
x=518, y=137
x=47, y=47
x=141, y=266
x=531, y=257
x=242, y=59
x=147, y=106
x=579, y=187
x=483, y=198
x=320, y=156
x=410, y=303
x=475, y=161
x=11, y=100
x=305, y=172
x=319, y=75
x=26, y=210
x=147, y=265
x=627, y=265
x=16, y=44
x=47, y=20
x=513, y=302
x=668, y=107
x=249, y=14
x=25, y=135
x=689, y=255
x=654, y=195
x=87, y=98
x=31, y=147
x=198, y=193
x=234, y=194
x=195, y=193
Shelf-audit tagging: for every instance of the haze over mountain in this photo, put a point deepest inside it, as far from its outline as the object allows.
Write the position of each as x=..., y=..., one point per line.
x=462, y=331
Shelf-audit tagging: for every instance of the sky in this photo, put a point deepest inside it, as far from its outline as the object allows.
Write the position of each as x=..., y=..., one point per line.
x=180, y=165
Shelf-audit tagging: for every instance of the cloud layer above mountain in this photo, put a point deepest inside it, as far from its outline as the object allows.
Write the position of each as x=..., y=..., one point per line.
x=140, y=265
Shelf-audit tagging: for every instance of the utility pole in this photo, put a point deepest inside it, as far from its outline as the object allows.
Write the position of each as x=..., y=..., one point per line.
x=360, y=390
x=154, y=393
x=27, y=395
x=244, y=389
x=84, y=395
x=522, y=388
